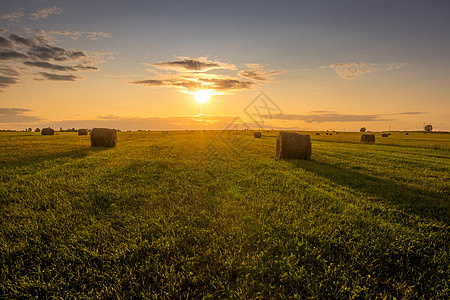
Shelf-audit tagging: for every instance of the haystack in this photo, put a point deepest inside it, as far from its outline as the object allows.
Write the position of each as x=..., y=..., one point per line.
x=82, y=132
x=293, y=145
x=368, y=138
x=103, y=137
x=407, y=133
x=257, y=135
x=47, y=131
x=384, y=135
x=317, y=133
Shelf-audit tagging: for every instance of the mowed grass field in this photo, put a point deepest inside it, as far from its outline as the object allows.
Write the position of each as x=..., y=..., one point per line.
x=210, y=214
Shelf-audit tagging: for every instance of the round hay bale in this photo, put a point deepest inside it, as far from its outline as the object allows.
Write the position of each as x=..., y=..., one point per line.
x=103, y=137
x=257, y=135
x=384, y=135
x=368, y=138
x=47, y=131
x=407, y=133
x=82, y=132
x=317, y=133
x=293, y=145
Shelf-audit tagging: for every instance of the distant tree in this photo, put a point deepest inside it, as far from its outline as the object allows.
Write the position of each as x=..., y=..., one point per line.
x=363, y=129
x=60, y=129
x=30, y=130
x=37, y=130
x=428, y=127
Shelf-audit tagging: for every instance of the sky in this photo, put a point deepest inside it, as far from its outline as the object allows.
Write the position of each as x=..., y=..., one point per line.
x=167, y=65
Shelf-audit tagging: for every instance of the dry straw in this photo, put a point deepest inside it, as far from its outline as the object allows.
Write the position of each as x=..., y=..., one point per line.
x=47, y=131
x=103, y=137
x=293, y=145
x=82, y=132
x=368, y=138
x=257, y=135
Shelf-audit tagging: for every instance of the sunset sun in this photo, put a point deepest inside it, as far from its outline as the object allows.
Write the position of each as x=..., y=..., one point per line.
x=202, y=96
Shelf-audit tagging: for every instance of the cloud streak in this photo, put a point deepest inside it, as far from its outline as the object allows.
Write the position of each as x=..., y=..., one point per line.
x=58, y=77
x=200, y=64
x=354, y=70
x=13, y=17
x=44, y=13
x=16, y=115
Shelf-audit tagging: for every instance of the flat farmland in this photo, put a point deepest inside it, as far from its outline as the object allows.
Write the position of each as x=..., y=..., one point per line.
x=212, y=214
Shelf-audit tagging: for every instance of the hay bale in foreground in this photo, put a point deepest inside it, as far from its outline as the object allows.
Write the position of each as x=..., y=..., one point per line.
x=293, y=145
x=257, y=135
x=103, y=137
x=384, y=135
x=47, y=131
x=368, y=138
x=82, y=132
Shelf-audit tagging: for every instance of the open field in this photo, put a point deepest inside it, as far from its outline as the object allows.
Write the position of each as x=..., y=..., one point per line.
x=215, y=215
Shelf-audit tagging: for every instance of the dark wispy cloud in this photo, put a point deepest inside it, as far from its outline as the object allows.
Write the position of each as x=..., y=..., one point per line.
x=58, y=77
x=329, y=116
x=353, y=70
x=12, y=55
x=258, y=75
x=44, y=13
x=21, y=55
x=6, y=81
x=411, y=113
x=200, y=64
x=5, y=43
x=47, y=65
x=194, y=74
x=16, y=115
x=193, y=84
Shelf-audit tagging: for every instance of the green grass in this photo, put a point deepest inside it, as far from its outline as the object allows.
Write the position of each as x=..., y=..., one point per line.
x=204, y=215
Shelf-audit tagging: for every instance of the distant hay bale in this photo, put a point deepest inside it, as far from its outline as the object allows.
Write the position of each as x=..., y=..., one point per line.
x=47, y=131
x=257, y=135
x=407, y=133
x=103, y=137
x=293, y=145
x=82, y=132
x=384, y=135
x=317, y=133
x=368, y=138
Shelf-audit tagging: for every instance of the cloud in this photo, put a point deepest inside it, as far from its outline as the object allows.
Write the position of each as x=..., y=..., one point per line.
x=27, y=53
x=74, y=35
x=55, y=53
x=194, y=84
x=328, y=116
x=353, y=70
x=193, y=74
x=5, y=43
x=43, y=13
x=93, y=36
x=16, y=115
x=6, y=81
x=9, y=71
x=57, y=77
x=13, y=17
x=255, y=66
x=12, y=55
x=46, y=65
x=200, y=64
x=411, y=113
x=258, y=75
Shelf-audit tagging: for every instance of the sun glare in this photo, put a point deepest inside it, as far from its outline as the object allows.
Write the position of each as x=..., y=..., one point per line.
x=202, y=96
